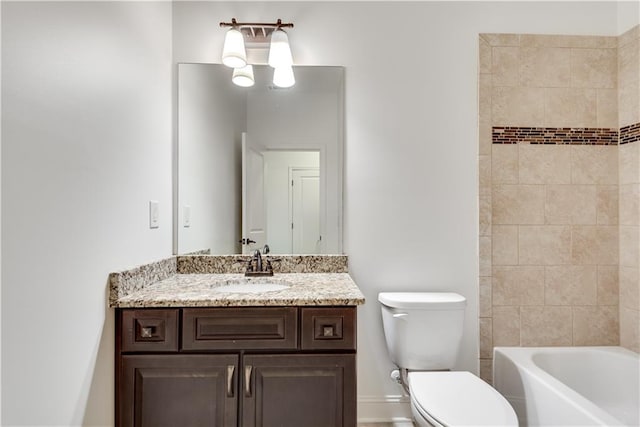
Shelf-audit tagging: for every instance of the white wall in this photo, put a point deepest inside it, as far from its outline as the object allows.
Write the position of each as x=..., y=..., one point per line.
x=628, y=15
x=411, y=117
x=86, y=143
x=212, y=117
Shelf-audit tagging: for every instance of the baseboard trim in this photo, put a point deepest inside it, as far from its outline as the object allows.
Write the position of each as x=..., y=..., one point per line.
x=384, y=409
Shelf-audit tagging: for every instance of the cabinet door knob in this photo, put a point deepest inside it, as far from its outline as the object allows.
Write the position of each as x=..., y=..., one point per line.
x=147, y=332
x=247, y=380
x=230, y=371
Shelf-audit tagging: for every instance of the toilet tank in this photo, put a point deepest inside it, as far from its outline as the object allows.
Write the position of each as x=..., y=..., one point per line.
x=423, y=330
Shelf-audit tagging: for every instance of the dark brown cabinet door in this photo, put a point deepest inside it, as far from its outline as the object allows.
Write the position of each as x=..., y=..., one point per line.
x=298, y=390
x=177, y=390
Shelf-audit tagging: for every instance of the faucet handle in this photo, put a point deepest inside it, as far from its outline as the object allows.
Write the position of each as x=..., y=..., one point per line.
x=249, y=264
x=269, y=259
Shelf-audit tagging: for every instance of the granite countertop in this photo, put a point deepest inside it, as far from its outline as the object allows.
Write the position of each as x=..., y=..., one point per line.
x=191, y=281
x=199, y=290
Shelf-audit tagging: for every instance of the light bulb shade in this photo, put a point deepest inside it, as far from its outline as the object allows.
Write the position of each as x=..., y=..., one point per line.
x=279, y=51
x=283, y=77
x=234, y=54
x=243, y=76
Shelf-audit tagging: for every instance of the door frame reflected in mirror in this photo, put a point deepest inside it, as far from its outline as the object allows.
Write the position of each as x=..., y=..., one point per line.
x=274, y=216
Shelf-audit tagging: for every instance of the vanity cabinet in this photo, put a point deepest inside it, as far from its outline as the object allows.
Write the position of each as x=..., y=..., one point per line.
x=236, y=366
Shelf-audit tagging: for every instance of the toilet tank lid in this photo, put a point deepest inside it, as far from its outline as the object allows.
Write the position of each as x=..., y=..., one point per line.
x=423, y=300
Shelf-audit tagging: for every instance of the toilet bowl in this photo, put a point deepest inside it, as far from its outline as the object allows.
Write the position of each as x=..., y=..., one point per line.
x=423, y=332
x=457, y=399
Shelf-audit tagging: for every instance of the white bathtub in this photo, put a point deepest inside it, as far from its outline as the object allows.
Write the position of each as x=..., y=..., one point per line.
x=570, y=386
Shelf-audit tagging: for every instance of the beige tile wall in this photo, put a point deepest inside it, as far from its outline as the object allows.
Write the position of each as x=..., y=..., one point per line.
x=549, y=231
x=629, y=194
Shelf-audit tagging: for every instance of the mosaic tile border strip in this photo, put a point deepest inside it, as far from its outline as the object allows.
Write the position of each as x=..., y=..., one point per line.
x=629, y=134
x=553, y=136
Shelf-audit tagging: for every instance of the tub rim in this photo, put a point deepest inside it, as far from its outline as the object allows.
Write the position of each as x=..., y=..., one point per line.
x=522, y=358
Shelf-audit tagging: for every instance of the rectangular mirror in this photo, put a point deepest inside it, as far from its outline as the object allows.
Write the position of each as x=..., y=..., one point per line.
x=260, y=165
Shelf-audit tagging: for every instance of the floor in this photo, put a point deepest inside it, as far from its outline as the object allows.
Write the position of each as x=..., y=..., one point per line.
x=396, y=424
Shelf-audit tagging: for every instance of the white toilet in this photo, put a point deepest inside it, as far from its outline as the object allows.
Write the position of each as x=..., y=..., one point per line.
x=423, y=331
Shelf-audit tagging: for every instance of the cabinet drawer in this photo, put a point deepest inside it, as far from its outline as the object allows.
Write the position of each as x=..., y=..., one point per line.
x=150, y=330
x=248, y=328
x=328, y=328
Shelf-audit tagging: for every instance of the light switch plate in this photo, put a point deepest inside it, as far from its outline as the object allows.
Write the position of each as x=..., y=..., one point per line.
x=154, y=214
x=186, y=216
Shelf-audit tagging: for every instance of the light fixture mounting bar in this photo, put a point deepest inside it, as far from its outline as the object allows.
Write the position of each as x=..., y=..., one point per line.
x=274, y=25
x=256, y=32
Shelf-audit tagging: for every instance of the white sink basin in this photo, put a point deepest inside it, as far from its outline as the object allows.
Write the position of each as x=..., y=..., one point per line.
x=250, y=288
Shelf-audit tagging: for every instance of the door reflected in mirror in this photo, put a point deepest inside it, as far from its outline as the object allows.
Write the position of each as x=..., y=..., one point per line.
x=281, y=199
x=262, y=165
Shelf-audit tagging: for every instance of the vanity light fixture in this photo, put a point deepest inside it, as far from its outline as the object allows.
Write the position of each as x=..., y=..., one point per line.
x=283, y=76
x=234, y=54
x=243, y=76
x=269, y=35
x=279, y=50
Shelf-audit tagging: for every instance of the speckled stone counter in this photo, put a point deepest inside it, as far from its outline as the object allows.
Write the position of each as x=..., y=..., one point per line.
x=191, y=281
x=199, y=290
x=286, y=263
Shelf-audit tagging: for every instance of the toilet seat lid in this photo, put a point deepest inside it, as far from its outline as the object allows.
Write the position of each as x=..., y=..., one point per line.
x=459, y=399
